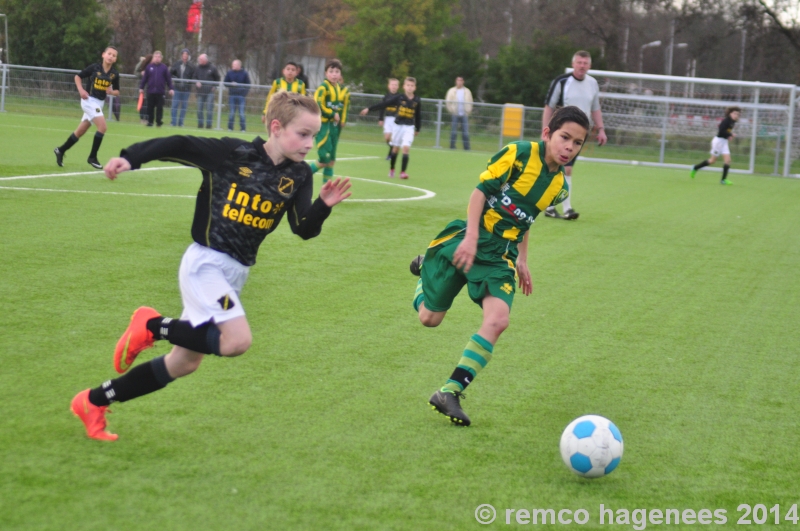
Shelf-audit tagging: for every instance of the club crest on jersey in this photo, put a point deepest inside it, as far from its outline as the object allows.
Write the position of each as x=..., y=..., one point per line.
x=245, y=172
x=286, y=186
x=226, y=302
x=562, y=195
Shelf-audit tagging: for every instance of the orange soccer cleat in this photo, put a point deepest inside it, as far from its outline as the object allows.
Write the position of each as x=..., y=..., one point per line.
x=135, y=339
x=93, y=417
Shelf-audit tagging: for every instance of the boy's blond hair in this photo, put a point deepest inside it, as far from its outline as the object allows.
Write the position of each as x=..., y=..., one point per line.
x=412, y=79
x=285, y=106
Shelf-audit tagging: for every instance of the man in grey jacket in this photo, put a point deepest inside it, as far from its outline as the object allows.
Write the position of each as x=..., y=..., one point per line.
x=206, y=76
x=182, y=73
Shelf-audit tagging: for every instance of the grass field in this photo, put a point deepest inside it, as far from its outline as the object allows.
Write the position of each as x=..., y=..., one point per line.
x=670, y=307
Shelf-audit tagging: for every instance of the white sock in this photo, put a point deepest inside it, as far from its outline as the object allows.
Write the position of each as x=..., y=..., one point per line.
x=567, y=204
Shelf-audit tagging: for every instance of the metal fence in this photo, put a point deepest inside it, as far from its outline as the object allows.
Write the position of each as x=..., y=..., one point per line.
x=650, y=120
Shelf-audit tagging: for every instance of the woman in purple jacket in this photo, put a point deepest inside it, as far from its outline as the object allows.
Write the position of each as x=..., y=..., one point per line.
x=156, y=77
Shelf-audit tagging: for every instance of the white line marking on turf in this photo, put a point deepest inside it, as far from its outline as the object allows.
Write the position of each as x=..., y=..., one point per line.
x=427, y=194
x=92, y=192
x=73, y=174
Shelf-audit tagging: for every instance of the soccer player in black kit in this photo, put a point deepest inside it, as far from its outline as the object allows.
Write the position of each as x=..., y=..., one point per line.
x=247, y=188
x=719, y=144
x=407, y=122
x=101, y=79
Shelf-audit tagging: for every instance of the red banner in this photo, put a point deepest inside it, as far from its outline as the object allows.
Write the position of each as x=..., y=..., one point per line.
x=194, y=17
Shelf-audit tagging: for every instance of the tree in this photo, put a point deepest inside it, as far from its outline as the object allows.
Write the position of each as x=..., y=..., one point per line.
x=56, y=33
x=398, y=38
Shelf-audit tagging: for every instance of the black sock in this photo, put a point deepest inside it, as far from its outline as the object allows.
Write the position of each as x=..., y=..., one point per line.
x=394, y=160
x=69, y=143
x=141, y=380
x=701, y=165
x=390, y=150
x=203, y=339
x=405, y=162
x=725, y=169
x=98, y=139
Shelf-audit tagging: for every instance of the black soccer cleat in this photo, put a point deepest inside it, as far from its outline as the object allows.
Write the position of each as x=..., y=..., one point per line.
x=94, y=163
x=59, y=157
x=571, y=214
x=416, y=265
x=448, y=404
x=552, y=213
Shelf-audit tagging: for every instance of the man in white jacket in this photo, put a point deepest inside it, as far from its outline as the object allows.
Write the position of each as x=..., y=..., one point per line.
x=459, y=105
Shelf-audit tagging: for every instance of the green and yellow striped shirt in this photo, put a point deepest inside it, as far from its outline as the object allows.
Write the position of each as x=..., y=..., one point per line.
x=281, y=84
x=331, y=99
x=518, y=186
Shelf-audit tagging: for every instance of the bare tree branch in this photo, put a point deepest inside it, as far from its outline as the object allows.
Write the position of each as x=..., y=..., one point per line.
x=790, y=33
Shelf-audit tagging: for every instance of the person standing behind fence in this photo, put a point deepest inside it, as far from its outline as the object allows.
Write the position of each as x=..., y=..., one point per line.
x=581, y=90
x=288, y=83
x=206, y=74
x=301, y=76
x=459, y=105
x=101, y=79
x=238, y=82
x=139, y=71
x=182, y=72
x=156, y=77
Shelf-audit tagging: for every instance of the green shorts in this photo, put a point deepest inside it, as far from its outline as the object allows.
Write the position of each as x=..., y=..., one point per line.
x=327, y=139
x=492, y=273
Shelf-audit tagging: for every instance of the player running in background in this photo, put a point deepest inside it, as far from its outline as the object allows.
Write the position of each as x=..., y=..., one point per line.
x=719, y=144
x=407, y=122
x=331, y=100
x=247, y=188
x=101, y=79
x=289, y=83
x=489, y=252
x=386, y=117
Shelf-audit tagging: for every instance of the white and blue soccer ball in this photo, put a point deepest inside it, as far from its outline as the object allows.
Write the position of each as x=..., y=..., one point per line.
x=591, y=446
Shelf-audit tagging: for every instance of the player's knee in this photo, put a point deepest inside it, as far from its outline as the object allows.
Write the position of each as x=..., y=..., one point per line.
x=430, y=319
x=498, y=323
x=236, y=345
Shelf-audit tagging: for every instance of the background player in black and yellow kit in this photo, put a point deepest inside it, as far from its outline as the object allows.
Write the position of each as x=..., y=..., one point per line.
x=386, y=116
x=489, y=252
x=289, y=83
x=101, y=79
x=247, y=188
x=407, y=122
x=719, y=144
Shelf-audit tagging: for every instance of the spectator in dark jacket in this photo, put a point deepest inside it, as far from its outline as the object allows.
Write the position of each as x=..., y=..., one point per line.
x=206, y=75
x=156, y=77
x=238, y=82
x=301, y=75
x=182, y=72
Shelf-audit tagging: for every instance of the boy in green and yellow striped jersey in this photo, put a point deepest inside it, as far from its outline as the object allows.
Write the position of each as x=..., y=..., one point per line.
x=288, y=83
x=332, y=101
x=489, y=252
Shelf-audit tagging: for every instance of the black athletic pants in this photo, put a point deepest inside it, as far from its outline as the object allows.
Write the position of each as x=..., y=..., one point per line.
x=155, y=108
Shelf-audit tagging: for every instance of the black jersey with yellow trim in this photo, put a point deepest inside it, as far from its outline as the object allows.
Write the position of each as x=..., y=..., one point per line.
x=388, y=111
x=244, y=195
x=97, y=80
x=726, y=127
x=409, y=110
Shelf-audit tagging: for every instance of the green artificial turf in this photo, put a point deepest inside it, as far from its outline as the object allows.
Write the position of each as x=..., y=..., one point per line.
x=671, y=307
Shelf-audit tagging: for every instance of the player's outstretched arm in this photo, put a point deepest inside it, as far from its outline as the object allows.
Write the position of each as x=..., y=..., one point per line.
x=335, y=191
x=116, y=166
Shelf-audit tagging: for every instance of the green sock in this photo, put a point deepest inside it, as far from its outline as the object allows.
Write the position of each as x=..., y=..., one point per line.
x=314, y=167
x=327, y=173
x=477, y=354
x=419, y=297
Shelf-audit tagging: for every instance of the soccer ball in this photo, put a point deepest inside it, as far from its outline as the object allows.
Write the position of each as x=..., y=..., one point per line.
x=591, y=446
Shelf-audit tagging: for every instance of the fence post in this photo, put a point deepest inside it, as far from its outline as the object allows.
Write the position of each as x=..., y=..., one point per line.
x=787, y=155
x=3, y=90
x=522, y=125
x=754, y=133
x=438, y=123
x=110, y=107
x=502, y=127
x=219, y=105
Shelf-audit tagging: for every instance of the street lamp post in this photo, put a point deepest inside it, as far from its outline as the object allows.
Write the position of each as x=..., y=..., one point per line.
x=5, y=42
x=654, y=44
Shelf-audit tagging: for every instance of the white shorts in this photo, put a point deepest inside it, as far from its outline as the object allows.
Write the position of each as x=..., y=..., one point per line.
x=719, y=146
x=388, y=125
x=402, y=135
x=210, y=284
x=92, y=108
